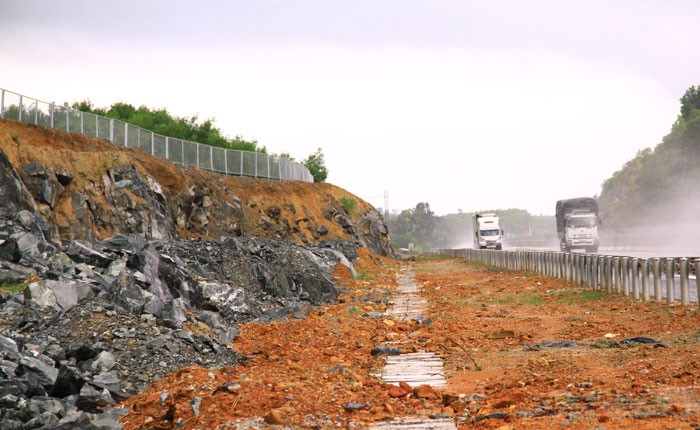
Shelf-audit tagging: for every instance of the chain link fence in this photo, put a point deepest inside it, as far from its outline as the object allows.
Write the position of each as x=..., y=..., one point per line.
x=227, y=161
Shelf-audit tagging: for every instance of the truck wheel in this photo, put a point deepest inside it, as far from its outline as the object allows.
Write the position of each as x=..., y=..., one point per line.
x=499, y=247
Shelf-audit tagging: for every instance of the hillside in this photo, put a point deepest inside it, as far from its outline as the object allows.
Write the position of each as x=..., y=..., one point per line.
x=90, y=189
x=659, y=186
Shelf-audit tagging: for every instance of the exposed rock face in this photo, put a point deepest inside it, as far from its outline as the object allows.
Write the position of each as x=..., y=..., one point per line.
x=135, y=268
x=89, y=189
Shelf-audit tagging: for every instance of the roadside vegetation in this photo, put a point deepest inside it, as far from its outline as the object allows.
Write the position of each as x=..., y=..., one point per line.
x=425, y=230
x=663, y=177
x=193, y=129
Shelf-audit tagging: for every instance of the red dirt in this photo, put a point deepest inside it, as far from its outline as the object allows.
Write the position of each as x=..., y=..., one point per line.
x=486, y=327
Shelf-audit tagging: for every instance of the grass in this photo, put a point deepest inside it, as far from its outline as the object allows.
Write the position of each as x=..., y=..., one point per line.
x=583, y=296
x=364, y=275
x=532, y=299
x=348, y=204
x=433, y=257
x=7, y=287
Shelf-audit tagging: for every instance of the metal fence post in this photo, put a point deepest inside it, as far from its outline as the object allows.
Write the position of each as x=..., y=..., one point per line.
x=167, y=148
x=126, y=134
x=20, y=108
x=226, y=151
x=2, y=104
x=81, y=123
x=52, y=107
x=36, y=112
x=111, y=130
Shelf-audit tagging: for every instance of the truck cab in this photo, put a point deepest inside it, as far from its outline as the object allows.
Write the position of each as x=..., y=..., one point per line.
x=577, y=224
x=487, y=232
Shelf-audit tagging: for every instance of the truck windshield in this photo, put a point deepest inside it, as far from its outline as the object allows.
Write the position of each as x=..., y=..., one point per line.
x=489, y=232
x=581, y=222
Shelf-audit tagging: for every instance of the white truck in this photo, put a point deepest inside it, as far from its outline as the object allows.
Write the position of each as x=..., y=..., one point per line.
x=577, y=224
x=487, y=232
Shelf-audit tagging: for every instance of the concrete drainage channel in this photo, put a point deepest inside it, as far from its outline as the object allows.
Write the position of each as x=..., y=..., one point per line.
x=418, y=368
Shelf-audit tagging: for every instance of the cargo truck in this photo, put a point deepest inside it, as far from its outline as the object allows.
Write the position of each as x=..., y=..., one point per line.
x=487, y=232
x=577, y=224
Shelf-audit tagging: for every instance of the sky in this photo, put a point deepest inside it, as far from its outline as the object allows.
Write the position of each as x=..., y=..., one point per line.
x=467, y=105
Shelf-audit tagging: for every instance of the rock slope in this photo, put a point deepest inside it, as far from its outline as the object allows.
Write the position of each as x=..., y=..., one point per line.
x=118, y=268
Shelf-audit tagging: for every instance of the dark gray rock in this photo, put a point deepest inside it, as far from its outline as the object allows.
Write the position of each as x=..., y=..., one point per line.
x=41, y=183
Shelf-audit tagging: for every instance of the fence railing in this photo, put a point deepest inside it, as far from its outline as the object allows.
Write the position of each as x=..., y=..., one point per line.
x=227, y=161
x=663, y=278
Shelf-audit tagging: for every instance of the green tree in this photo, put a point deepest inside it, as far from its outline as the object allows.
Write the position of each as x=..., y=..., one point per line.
x=316, y=164
x=690, y=102
x=160, y=121
x=415, y=226
x=663, y=177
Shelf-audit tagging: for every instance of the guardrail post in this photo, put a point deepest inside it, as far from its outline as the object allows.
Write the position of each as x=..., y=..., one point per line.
x=645, y=279
x=635, y=277
x=617, y=288
x=579, y=272
x=685, y=300
x=596, y=274
x=697, y=278
x=625, y=266
x=656, y=268
x=670, y=281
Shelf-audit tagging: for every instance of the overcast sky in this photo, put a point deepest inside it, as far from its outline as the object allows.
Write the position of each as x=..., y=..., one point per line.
x=463, y=104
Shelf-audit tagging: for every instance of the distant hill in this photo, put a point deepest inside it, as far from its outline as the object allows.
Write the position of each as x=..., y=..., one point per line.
x=660, y=186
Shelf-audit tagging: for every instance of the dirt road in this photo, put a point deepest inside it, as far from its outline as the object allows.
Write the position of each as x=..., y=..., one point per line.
x=520, y=352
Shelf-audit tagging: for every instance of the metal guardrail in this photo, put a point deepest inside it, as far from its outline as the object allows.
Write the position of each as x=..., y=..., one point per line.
x=663, y=278
x=227, y=161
